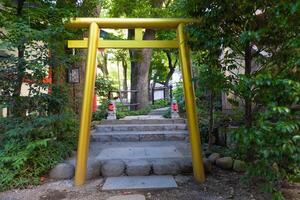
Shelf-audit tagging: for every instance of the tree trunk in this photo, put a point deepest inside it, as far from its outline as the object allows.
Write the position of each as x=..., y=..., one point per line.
x=134, y=55
x=16, y=109
x=248, y=102
x=143, y=72
x=211, y=120
x=170, y=73
x=125, y=86
x=103, y=66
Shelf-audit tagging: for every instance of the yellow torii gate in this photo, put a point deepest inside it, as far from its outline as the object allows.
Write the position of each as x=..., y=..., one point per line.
x=93, y=43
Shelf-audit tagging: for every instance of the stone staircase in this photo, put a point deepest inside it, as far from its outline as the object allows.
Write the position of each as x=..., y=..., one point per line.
x=138, y=130
x=136, y=146
x=141, y=145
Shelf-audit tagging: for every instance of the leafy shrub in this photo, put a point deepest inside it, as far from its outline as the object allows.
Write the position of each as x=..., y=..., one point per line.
x=160, y=103
x=103, y=85
x=124, y=113
x=31, y=146
x=272, y=144
x=101, y=112
x=178, y=95
x=167, y=114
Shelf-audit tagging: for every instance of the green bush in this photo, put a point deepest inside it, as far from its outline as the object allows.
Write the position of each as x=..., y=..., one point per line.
x=30, y=146
x=123, y=113
x=101, y=112
x=160, y=103
x=167, y=114
x=272, y=145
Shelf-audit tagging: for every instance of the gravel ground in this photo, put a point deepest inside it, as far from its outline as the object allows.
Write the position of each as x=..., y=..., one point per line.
x=218, y=186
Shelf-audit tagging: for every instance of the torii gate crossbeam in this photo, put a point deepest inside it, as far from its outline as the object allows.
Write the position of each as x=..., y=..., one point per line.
x=93, y=43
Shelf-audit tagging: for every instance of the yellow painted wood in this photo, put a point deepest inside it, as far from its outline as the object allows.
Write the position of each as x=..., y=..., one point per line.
x=86, y=109
x=190, y=105
x=126, y=44
x=138, y=34
x=163, y=23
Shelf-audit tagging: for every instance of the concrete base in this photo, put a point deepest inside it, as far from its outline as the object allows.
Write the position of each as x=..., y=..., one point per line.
x=139, y=182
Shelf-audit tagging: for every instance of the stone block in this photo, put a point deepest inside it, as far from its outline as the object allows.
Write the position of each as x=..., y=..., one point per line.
x=138, y=168
x=213, y=157
x=185, y=165
x=139, y=182
x=93, y=169
x=207, y=165
x=166, y=167
x=225, y=162
x=112, y=168
x=125, y=138
x=62, y=171
x=101, y=138
x=175, y=137
x=128, y=197
x=239, y=166
x=152, y=137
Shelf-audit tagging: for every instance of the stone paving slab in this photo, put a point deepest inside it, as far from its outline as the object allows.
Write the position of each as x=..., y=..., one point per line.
x=128, y=197
x=97, y=147
x=139, y=182
x=144, y=120
x=131, y=136
x=139, y=152
x=184, y=132
x=141, y=127
x=143, y=117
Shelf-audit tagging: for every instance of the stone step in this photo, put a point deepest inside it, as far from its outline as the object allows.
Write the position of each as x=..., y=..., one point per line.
x=113, y=159
x=143, y=121
x=157, y=112
x=141, y=127
x=139, y=182
x=132, y=136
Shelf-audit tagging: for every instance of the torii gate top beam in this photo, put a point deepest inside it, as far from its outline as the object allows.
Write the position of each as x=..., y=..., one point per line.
x=151, y=23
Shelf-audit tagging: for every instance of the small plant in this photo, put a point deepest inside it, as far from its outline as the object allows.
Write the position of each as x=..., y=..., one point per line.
x=33, y=145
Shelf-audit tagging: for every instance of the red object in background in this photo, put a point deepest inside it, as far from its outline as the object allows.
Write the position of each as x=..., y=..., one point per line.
x=48, y=79
x=111, y=107
x=95, y=103
x=174, y=106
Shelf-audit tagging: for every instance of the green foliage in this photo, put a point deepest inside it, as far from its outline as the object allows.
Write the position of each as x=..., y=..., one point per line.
x=103, y=85
x=178, y=95
x=271, y=85
x=167, y=114
x=160, y=103
x=101, y=112
x=124, y=111
x=275, y=149
x=31, y=146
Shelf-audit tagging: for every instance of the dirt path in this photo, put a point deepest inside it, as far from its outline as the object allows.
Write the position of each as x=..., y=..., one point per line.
x=218, y=186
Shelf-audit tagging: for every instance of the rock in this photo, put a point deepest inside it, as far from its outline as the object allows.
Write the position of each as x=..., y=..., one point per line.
x=239, y=166
x=62, y=171
x=213, y=157
x=138, y=168
x=112, y=168
x=185, y=166
x=207, y=165
x=93, y=169
x=166, y=167
x=225, y=162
